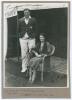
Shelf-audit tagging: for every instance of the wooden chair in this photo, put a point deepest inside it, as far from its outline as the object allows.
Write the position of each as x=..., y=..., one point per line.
x=46, y=62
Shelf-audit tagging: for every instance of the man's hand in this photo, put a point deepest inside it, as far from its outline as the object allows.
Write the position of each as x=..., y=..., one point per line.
x=25, y=36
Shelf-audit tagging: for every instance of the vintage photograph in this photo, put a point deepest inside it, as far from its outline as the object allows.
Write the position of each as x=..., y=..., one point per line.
x=35, y=44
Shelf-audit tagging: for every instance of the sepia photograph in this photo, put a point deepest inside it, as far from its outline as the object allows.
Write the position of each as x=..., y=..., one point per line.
x=35, y=44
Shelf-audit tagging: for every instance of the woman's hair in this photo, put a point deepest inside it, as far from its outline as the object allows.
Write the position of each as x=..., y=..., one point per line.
x=43, y=34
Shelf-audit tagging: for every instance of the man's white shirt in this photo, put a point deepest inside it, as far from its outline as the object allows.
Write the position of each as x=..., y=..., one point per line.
x=26, y=21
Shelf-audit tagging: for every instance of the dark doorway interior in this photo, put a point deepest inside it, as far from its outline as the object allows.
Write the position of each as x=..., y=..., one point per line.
x=51, y=21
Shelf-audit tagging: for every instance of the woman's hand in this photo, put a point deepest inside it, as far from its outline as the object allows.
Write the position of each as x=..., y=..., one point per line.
x=38, y=55
x=44, y=55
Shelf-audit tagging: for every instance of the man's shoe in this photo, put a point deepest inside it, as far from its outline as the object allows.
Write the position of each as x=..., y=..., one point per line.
x=23, y=71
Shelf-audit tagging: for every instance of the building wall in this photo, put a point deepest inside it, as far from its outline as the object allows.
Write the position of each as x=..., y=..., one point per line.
x=53, y=22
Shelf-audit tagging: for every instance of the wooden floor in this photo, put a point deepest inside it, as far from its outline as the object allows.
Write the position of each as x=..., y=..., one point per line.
x=14, y=78
x=58, y=64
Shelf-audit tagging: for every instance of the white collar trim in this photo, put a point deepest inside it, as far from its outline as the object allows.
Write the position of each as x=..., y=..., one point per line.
x=29, y=17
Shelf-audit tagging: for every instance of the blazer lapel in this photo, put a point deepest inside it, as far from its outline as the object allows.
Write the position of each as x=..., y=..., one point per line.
x=24, y=21
x=29, y=21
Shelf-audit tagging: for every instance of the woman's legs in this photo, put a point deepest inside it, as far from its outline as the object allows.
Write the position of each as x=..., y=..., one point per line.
x=34, y=64
x=33, y=75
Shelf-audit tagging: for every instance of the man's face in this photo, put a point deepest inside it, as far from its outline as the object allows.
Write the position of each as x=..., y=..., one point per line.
x=26, y=13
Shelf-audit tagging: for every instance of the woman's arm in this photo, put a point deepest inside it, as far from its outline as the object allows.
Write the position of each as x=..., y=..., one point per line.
x=36, y=54
x=50, y=49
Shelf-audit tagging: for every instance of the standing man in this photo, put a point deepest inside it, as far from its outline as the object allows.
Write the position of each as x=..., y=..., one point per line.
x=27, y=36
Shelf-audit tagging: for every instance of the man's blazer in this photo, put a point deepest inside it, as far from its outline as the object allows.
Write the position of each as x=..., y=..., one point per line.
x=30, y=28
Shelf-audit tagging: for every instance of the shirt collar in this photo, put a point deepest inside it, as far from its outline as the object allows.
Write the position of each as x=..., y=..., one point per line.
x=28, y=18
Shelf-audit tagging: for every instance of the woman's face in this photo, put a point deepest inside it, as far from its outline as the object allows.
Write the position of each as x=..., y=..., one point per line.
x=42, y=38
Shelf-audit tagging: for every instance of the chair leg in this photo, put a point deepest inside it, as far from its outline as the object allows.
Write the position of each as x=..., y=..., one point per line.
x=42, y=73
x=41, y=76
x=30, y=74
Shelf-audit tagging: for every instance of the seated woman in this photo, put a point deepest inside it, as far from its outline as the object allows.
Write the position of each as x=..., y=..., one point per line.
x=42, y=48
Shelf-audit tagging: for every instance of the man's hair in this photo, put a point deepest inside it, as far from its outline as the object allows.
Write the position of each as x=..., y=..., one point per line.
x=27, y=9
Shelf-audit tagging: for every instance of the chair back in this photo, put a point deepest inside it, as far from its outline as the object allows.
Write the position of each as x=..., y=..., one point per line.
x=53, y=50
